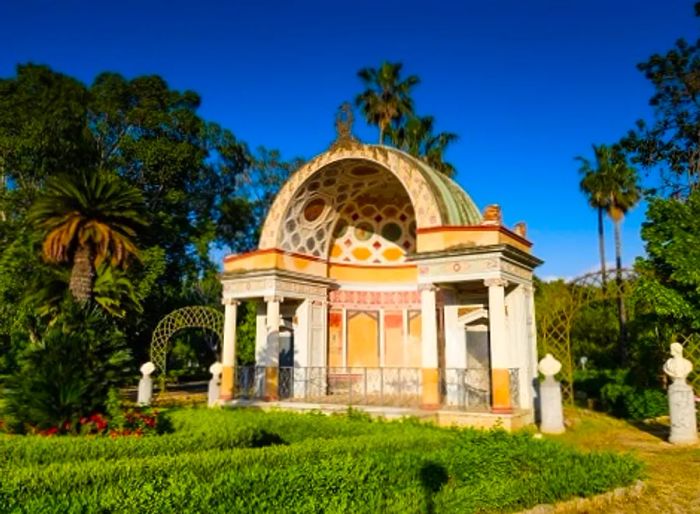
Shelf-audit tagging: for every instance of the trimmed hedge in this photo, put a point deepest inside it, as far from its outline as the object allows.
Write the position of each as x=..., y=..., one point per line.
x=331, y=464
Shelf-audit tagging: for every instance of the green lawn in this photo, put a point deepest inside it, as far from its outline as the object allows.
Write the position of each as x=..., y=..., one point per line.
x=251, y=461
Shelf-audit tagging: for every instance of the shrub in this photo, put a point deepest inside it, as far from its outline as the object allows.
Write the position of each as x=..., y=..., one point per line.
x=66, y=376
x=625, y=401
x=334, y=464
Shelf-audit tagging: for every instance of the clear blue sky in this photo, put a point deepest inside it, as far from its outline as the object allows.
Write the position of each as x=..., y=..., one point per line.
x=527, y=85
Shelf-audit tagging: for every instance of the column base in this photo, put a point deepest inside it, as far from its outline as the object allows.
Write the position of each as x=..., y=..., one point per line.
x=500, y=392
x=271, y=384
x=430, y=394
x=227, y=383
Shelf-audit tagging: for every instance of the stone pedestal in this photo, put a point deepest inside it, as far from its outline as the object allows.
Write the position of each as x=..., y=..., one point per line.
x=551, y=407
x=681, y=405
x=681, y=400
x=145, y=384
x=214, y=395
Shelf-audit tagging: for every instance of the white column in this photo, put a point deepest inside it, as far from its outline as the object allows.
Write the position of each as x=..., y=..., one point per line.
x=430, y=374
x=500, y=352
x=272, y=348
x=429, y=349
x=382, y=341
x=344, y=337
x=228, y=351
x=228, y=354
x=498, y=337
x=529, y=292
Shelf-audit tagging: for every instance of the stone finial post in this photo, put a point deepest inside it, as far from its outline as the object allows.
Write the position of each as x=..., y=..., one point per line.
x=146, y=384
x=681, y=400
x=215, y=384
x=550, y=397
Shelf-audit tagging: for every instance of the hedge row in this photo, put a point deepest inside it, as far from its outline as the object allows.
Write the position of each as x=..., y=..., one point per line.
x=390, y=467
x=194, y=430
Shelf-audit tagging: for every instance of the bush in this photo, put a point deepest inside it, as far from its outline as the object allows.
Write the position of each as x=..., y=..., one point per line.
x=67, y=375
x=625, y=401
x=331, y=464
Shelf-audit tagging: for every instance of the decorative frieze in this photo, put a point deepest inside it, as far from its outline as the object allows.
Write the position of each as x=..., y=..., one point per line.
x=375, y=299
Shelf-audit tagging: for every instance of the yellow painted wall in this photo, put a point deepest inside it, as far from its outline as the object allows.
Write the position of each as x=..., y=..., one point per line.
x=413, y=352
x=363, y=339
x=335, y=338
x=443, y=239
x=393, y=339
x=276, y=260
x=373, y=274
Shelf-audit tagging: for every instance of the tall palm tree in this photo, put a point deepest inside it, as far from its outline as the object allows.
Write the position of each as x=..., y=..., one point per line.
x=624, y=193
x=612, y=187
x=387, y=97
x=594, y=184
x=89, y=218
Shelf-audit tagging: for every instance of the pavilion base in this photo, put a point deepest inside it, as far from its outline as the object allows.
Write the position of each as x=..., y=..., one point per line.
x=514, y=420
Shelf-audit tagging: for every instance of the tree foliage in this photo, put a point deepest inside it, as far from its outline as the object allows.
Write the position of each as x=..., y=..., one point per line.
x=199, y=186
x=671, y=141
x=387, y=103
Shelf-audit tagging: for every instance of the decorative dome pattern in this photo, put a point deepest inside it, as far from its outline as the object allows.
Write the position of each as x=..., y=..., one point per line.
x=355, y=210
x=436, y=199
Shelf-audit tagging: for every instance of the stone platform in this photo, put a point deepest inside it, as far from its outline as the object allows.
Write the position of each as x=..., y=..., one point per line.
x=484, y=420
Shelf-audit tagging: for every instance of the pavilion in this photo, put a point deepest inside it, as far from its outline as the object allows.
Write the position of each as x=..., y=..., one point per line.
x=380, y=282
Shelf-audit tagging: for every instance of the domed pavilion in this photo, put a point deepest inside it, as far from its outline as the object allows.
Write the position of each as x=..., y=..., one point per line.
x=378, y=281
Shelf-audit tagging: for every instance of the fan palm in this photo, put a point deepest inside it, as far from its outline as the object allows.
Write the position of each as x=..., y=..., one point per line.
x=613, y=187
x=89, y=218
x=386, y=98
x=594, y=184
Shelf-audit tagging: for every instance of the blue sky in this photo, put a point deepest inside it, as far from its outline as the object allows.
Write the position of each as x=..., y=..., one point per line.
x=526, y=85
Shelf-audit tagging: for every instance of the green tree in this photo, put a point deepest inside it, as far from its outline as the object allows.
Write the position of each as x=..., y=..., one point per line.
x=594, y=185
x=88, y=218
x=670, y=143
x=387, y=97
x=415, y=136
x=614, y=186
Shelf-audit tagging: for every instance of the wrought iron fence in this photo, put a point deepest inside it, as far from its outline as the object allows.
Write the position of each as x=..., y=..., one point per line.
x=352, y=385
x=460, y=389
x=466, y=389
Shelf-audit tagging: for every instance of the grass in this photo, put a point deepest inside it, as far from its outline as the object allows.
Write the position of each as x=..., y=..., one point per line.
x=251, y=461
x=672, y=472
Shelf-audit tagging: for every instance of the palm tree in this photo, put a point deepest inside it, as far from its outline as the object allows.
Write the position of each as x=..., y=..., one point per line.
x=415, y=136
x=612, y=187
x=386, y=98
x=89, y=218
x=594, y=185
x=624, y=193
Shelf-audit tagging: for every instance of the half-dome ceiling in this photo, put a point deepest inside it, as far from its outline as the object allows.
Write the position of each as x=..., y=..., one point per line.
x=352, y=211
x=339, y=188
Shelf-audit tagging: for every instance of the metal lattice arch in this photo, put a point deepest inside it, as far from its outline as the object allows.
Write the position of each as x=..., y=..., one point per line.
x=558, y=308
x=205, y=318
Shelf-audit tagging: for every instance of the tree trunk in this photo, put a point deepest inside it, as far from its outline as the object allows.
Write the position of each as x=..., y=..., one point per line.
x=621, y=314
x=601, y=246
x=381, y=134
x=82, y=275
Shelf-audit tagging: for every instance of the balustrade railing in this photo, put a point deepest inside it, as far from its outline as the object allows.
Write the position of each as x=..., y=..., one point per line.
x=460, y=389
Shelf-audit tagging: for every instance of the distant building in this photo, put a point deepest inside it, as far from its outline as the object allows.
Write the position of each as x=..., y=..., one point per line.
x=380, y=282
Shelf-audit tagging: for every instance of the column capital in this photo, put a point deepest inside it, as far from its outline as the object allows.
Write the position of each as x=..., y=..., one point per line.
x=230, y=301
x=495, y=282
x=274, y=298
x=427, y=288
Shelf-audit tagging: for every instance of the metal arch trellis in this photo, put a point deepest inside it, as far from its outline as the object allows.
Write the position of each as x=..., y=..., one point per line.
x=558, y=307
x=206, y=318
x=691, y=351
